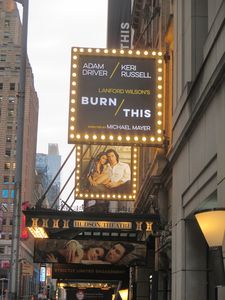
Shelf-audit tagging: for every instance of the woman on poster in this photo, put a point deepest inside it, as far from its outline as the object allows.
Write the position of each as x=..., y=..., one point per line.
x=98, y=172
x=74, y=252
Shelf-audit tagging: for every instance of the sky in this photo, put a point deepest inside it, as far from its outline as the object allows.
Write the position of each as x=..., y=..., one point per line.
x=54, y=26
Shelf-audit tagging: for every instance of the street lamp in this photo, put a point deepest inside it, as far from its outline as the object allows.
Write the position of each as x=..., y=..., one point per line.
x=212, y=224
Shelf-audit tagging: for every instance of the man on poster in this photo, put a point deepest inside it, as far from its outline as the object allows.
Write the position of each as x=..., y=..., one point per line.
x=119, y=175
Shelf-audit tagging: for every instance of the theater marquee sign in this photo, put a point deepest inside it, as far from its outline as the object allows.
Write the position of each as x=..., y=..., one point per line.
x=91, y=224
x=116, y=97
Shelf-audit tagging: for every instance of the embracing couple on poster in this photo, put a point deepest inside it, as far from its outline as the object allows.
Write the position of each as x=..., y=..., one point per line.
x=108, y=174
x=74, y=251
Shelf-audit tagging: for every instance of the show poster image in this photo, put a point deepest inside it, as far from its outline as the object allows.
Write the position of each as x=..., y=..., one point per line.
x=106, y=172
x=117, y=99
x=89, y=252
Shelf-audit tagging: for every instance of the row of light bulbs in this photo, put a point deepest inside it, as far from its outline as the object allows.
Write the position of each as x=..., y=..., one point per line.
x=152, y=53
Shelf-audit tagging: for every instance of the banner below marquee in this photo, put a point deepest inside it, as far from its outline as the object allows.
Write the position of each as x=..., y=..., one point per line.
x=89, y=252
x=106, y=172
x=84, y=272
x=116, y=97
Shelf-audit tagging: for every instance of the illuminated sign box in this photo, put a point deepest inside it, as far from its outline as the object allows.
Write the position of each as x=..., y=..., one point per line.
x=106, y=172
x=116, y=97
x=42, y=274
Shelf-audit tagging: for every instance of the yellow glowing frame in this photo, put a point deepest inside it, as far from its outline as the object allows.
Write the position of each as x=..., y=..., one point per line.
x=157, y=138
x=80, y=194
x=123, y=294
x=38, y=232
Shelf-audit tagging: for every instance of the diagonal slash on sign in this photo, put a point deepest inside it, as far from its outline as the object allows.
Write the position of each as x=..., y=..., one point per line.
x=114, y=70
x=119, y=107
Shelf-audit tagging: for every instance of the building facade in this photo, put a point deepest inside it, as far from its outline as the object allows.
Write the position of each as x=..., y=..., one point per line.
x=188, y=173
x=10, y=53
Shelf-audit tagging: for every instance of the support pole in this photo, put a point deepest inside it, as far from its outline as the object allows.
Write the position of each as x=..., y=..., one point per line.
x=13, y=285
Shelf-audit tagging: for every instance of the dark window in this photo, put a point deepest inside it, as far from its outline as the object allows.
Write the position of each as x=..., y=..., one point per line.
x=7, y=166
x=12, y=86
x=6, y=179
x=9, y=139
x=8, y=152
x=4, y=222
x=1, y=85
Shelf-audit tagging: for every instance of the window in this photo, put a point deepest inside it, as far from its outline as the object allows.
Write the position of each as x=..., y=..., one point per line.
x=4, y=222
x=11, y=99
x=18, y=58
x=13, y=194
x=8, y=138
x=10, y=112
x=7, y=166
x=2, y=57
x=13, y=165
x=2, y=250
x=12, y=86
x=6, y=35
x=6, y=179
x=7, y=23
x=10, y=222
x=5, y=194
x=1, y=85
x=9, y=126
x=8, y=152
